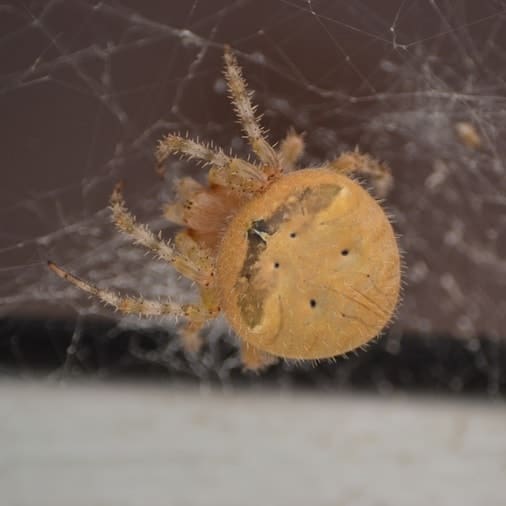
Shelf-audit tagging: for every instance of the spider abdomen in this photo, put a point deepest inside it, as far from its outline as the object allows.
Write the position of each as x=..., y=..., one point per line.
x=310, y=268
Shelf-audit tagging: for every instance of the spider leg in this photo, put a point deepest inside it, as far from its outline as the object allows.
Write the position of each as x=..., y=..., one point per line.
x=190, y=248
x=186, y=189
x=201, y=271
x=231, y=172
x=290, y=150
x=190, y=335
x=245, y=111
x=134, y=305
x=353, y=161
x=254, y=359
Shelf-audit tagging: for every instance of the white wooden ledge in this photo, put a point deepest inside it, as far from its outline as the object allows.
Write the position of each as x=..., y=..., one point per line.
x=126, y=445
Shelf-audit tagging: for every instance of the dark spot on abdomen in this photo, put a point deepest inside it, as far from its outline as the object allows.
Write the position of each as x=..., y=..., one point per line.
x=308, y=201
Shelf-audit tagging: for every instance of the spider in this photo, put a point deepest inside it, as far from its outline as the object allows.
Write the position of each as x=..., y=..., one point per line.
x=304, y=264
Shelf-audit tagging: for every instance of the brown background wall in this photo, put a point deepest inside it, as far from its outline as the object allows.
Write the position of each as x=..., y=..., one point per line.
x=86, y=88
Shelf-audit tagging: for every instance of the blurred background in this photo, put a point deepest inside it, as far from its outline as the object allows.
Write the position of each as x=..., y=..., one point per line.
x=86, y=90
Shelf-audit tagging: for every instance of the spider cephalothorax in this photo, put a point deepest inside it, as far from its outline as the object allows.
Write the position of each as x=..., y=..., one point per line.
x=304, y=264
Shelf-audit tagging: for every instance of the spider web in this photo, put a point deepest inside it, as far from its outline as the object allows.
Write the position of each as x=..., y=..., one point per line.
x=87, y=87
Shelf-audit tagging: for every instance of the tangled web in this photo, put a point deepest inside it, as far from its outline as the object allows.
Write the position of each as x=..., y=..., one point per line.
x=87, y=87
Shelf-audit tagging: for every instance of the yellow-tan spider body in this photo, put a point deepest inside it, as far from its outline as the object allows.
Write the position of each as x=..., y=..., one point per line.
x=304, y=264
x=310, y=268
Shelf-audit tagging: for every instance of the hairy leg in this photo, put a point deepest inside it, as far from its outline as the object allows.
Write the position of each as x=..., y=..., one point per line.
x=353, y=161
x=132, y=305
x=241, y=99
x=255, y=359
x=201, y=272
x=191, y=249
x=186, y=188
x=231, y=172
x=290, y=150
x=190, y=335
x=176, y=144
x=197, y=315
